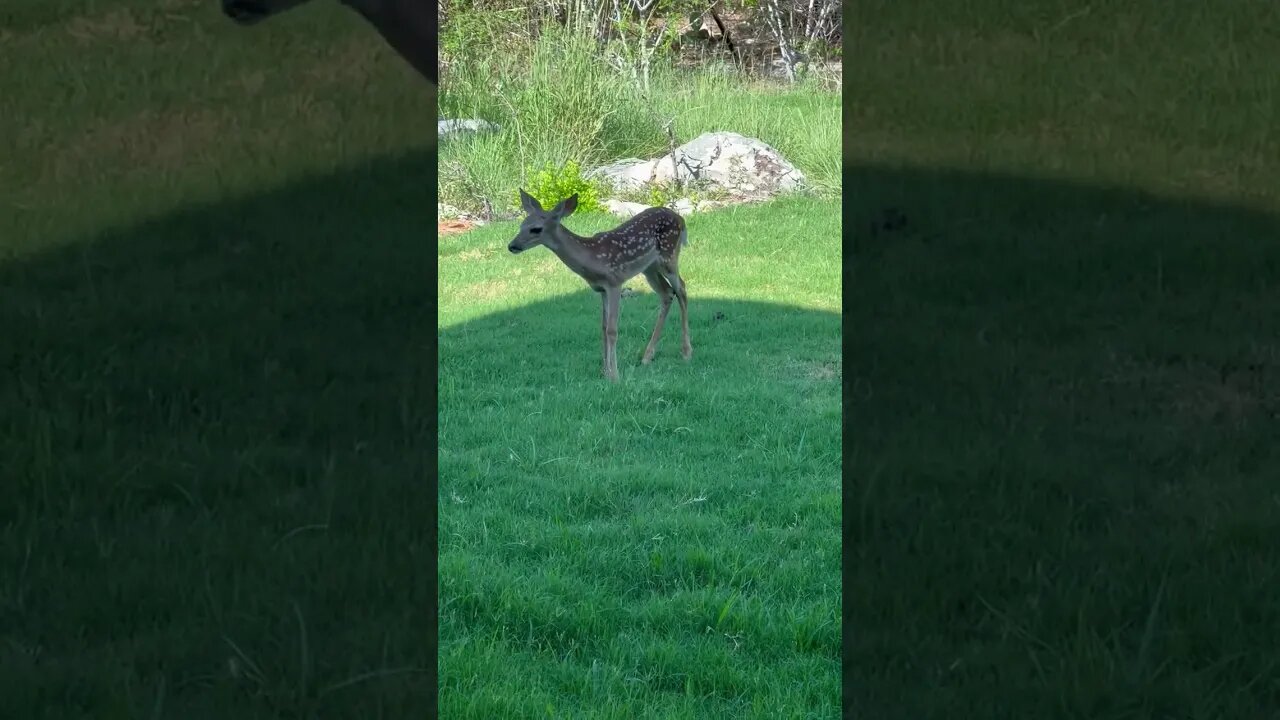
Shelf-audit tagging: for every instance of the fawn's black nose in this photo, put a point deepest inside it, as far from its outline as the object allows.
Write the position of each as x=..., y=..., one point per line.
x=514, y=250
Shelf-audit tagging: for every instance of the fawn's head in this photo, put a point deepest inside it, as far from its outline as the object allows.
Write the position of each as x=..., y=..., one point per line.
x=539, y=223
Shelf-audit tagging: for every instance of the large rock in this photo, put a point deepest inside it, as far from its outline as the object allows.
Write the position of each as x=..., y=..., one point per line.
x=628, y=174
x=684, y=206
x=722, y=160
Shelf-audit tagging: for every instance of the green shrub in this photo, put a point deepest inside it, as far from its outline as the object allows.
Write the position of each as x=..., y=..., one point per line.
x=659, y=195
x=553, y=184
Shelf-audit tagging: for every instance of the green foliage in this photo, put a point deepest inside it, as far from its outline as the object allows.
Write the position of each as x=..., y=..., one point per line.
x=560, y=94
x=659, y=195
x=553, y=184
x=467, y=31
x=558, y=98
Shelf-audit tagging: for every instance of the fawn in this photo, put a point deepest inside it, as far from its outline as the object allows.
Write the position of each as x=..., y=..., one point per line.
x=647, y=243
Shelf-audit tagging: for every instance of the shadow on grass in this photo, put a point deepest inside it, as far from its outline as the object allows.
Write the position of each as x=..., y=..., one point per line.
x=564, y=484
x=560, y=340
x=1061, y=416
x=217, y=438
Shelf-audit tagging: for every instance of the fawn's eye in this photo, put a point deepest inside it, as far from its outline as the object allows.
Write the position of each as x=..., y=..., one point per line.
x=535, y=231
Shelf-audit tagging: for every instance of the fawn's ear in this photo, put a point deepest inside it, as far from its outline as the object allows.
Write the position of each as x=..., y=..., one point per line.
x=527, y=202
x=566, y=206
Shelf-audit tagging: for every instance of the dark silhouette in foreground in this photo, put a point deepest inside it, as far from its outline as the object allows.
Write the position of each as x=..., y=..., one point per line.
x=408, y=26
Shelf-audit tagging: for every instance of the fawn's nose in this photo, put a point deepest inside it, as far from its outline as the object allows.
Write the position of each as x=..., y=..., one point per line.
x=512, y=247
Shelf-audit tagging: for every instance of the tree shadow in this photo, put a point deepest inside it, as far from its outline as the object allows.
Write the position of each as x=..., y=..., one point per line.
x=563, y=338
x=730, y=461
x=218, y=432
x=1059, y=407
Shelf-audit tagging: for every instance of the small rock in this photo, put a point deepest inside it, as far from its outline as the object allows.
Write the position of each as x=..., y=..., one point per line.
x=449, y=213
x=455, y=127
x=624, y=209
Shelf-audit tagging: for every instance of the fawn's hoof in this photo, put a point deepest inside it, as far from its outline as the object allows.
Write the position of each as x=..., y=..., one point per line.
x=687, y=353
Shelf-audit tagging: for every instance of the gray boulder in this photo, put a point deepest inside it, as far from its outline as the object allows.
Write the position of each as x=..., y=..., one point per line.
x=723, y=160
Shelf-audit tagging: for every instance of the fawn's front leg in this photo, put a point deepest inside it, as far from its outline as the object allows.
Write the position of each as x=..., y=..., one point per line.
x=611, y=299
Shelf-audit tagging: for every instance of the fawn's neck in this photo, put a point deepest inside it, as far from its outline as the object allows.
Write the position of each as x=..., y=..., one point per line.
x=572, y=251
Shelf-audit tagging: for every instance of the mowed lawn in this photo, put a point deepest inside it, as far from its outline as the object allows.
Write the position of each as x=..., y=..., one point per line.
x=215, y=402
x=666, y=547
x=1064, y=495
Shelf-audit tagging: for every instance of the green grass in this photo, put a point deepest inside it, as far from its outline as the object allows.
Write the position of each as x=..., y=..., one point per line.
x=215, y=409
x=666, y=547
x=1065, y=372
x=557, y=100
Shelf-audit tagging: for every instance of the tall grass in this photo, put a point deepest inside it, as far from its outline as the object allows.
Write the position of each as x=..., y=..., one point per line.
x=557, y=98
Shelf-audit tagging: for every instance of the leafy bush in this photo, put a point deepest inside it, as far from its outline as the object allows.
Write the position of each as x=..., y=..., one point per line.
x=553, y=184
x=659, y=195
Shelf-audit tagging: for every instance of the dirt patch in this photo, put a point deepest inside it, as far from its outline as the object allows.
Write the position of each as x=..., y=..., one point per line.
x=147, y=141
x=823, y=371
x=34, y=21
x=487, y=290
x=352, y=63
x=252, y=82
x=116, y=24
x=1208, y=394
x=162, y=141
x=809, y=370
x=548, y=266
x=1200, y=391
x=453, y=227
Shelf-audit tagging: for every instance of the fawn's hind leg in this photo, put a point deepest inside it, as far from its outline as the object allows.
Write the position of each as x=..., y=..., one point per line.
x=663, y=289
x=677, y=285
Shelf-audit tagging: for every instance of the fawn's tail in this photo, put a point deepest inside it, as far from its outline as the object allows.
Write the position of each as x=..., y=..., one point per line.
x=684, y=235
